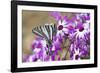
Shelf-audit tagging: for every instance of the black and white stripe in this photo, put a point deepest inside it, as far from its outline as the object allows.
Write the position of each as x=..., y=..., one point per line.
x=45, y=31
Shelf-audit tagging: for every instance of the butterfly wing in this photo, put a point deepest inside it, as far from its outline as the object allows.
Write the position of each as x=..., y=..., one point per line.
x=45, y=31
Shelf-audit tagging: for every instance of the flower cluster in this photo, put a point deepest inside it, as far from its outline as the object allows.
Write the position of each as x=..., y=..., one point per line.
x=75, y=29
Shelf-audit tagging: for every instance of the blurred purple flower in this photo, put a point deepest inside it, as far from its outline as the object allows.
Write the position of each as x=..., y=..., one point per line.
x=56, y=15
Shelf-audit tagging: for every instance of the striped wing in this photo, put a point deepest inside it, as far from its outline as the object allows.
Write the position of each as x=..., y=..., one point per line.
x=45, y=31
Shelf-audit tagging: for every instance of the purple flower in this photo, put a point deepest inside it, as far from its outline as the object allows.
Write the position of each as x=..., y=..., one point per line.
x=62, y=29
x=55, y=48
x=31, y=58
x=40, y=49
x=85, y=16
x=56, y=15
x=76, y=54
x=79, y=48
x=82, y=30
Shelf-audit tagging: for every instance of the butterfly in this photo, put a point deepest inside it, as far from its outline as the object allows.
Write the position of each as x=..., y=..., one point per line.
x=47, y=31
